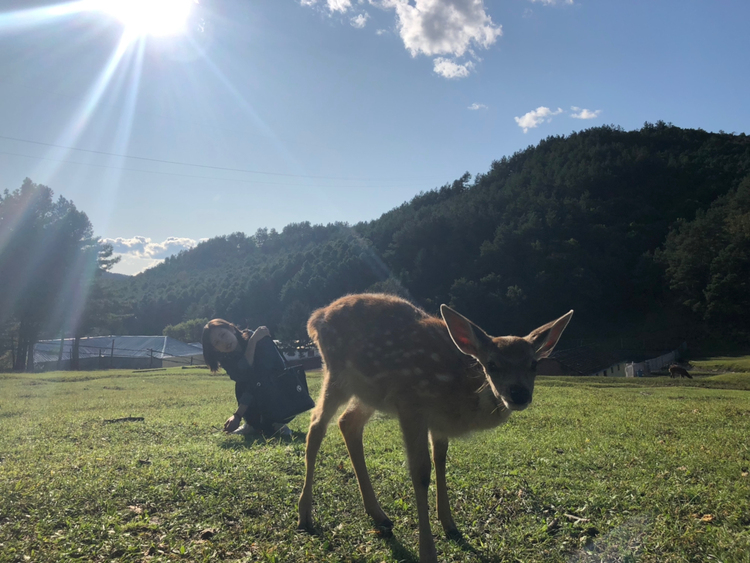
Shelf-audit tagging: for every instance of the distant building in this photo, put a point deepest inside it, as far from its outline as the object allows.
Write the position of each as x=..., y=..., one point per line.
x=306, y=356
x=591, y=361
x=585, y=360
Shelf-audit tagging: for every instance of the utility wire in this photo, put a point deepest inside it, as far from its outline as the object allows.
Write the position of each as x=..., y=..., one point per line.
x=175, y=162
x=124, y=168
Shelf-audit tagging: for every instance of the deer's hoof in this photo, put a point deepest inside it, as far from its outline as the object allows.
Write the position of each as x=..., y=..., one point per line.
x=384, y=527
x=305, y=524
x=384, y=532
x=307, y=530
x=454, y=535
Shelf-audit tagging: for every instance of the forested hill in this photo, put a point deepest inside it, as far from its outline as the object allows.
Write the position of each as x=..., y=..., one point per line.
x=635, y=230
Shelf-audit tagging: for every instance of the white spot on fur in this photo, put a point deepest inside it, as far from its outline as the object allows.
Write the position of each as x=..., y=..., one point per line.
x=406, y=371
x=444, y=377
x=435, y=356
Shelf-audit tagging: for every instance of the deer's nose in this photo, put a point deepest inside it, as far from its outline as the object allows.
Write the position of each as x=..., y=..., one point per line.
x=520, y=395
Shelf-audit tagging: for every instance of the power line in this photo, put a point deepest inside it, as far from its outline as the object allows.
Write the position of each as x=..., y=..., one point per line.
x=179, y=163
x=124, y=168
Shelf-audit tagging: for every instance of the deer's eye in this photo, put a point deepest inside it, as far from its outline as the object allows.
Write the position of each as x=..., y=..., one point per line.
x=533, y=365
x=491, y=366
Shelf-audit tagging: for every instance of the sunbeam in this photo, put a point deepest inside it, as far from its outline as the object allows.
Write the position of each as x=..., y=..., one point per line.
x=129, y=84
x=32, y=17
x=245, y=106
x=74, y=291
x=122, y=72
x=90, y=102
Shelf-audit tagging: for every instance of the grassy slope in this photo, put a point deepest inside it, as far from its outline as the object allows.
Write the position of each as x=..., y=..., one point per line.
x=737, y=364
x=656, y=469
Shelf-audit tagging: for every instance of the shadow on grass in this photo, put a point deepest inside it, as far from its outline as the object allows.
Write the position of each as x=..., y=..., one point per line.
x=231, y=442
x=401, y=553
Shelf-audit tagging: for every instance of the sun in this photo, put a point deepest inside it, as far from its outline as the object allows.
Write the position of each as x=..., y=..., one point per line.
x=150, y=17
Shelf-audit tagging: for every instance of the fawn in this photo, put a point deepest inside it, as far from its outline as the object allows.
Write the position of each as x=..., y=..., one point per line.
x=441, y=378
x=678, y=371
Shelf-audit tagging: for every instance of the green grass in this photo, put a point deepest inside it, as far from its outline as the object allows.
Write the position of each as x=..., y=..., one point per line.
x=598, y=469
x=724, y=364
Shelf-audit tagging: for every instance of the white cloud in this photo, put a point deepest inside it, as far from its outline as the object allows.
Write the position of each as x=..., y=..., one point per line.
x=475, y=106
x=443, y=27
x=381, y=32
x=535, y=117
x=552, y=2
x=584, y=113
x=333, y=5
x=339, y=5
x=360, y=20
x=450, y=69
x=139, y=253
x=435, y=28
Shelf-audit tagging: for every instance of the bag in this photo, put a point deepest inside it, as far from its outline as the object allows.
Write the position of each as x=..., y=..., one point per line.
x=286, y=395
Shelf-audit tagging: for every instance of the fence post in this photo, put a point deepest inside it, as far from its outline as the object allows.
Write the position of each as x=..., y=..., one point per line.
x=100, y=358
x=112, y=355
x=150, y=357
x=62, y=345
x=30, y=358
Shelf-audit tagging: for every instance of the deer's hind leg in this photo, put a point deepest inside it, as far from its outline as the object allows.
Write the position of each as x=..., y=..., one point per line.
x=416, y=443
x=332, y=396
x=352, y=424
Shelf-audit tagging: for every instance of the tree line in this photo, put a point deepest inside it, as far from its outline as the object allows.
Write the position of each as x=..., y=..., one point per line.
x=49, y=263
x=641, y=232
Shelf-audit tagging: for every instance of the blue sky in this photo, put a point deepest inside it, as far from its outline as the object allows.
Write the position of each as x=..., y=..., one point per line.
x=270, y=112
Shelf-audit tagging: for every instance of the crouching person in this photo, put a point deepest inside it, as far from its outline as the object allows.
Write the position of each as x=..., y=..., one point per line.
x=251, y=360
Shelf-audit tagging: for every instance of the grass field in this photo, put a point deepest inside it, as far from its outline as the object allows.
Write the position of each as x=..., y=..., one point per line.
x=598, y=469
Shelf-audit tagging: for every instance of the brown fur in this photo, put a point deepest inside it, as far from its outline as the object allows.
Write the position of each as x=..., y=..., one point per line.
x=678, y=371
x=441, y=378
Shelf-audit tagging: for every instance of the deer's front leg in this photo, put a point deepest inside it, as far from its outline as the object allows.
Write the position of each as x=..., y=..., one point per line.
x=439, y=455
x=418, y=456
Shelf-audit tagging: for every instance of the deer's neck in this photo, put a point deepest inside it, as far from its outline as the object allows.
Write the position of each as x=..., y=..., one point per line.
x=468, y=404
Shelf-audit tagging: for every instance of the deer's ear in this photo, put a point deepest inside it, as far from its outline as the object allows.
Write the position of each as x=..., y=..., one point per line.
x=544, y=339
x=467, y=336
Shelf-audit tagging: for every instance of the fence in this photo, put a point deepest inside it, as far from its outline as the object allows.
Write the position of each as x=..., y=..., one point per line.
x=643, y=369
x=57, y=355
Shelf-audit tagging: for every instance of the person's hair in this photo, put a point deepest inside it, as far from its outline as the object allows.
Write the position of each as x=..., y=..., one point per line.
x=211, y=355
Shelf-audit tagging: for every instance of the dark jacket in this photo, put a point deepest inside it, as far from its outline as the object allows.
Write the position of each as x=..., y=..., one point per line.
x=250, y=381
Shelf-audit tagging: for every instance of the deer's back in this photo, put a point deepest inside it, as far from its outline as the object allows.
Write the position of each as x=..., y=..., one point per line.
x=388, y=353
x=374, y=330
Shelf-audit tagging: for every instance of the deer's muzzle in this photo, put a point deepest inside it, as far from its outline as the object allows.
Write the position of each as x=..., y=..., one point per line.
x=517, y=398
